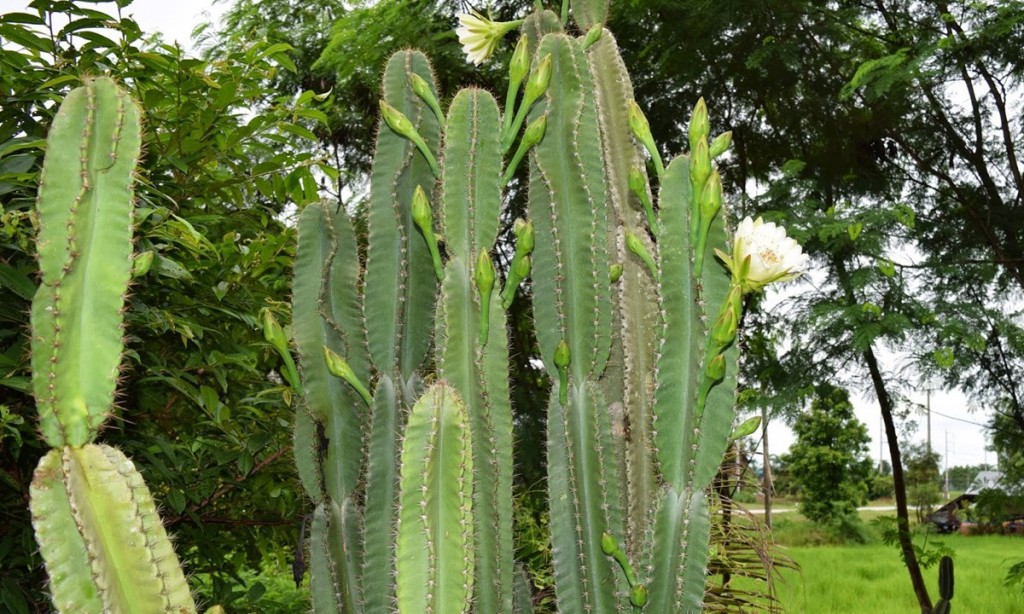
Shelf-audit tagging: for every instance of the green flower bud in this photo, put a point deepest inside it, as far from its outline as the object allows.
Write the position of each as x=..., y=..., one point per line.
x=519, y=67
x=724, y=330
x=273, y=332
x=142, y=263
x=699, y=127
x=615, y=272
x=700, y=165
x=721, y=144
x=746, y=428
x=715, y=369
x=635, y=245
x=484, y=274
x=538, y=82
x=637, y=182
x=562, y=356
x=521, y=266
x=638, y=595
x=638, y=123
x=535, y=131
x=593, y=35
x=339, y=367
x=421, y=212
x=422, y=89
x=396, y=120
x=711, y=198
x=525, y=236
x=608, y=544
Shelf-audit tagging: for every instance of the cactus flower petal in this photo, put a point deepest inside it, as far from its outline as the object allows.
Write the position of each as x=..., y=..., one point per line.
x=479, y=36
x=772, y=256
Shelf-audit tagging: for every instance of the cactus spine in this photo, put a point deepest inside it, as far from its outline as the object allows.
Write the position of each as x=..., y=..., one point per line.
x=96, y=522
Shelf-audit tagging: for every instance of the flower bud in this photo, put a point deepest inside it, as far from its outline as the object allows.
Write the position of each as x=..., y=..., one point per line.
x=711, y=197
x=699, y=127
x=521, y=266
x=396, y=120
x=338, y=366
x=638, y=123
x=422, y=89
x=421, y=213
x=700, y=165
x=608, y=544
x=721, y=144
x=484, y=274
x=593, y=35
x=715, y=369
x=638, y=595
x=538, y=82
x=519, y=67
x=746, y=428
x=272, y=331
x=724, y=330
x=562, y=356
x=637, y=183
x=635, y=245
x=535, y=131
x=142, y=263
x=615, y=272
x=525, y=236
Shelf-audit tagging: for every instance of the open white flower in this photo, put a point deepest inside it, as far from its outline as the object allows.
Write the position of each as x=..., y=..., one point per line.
x=480, y=36
x=762, y=254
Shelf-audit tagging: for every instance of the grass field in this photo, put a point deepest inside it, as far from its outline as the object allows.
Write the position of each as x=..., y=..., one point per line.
x=871, y=578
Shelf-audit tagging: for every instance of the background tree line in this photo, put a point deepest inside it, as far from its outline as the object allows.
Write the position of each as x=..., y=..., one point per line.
x=883, y=134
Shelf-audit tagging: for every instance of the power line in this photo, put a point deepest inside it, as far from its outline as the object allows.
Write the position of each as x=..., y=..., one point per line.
x=959, y=419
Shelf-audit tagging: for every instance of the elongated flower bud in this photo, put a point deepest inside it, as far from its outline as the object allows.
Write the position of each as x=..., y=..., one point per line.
x=521, y=267
x=711, y=198
x=746, y=428
x=638, y=596
x=484, y=278
x=273, y=332
x=724, y=329
x=525, y=236
x=699, y=127
x=721, y=144
x=538, y=82
x=562, y=359
x=593, y=35
x=422, y=89
x=635, y=245
x=641, y=129
x=519, y=67
x=339, y=367
x=638, y=186
x=715, y=369
x=396, y=120
x=424, y=220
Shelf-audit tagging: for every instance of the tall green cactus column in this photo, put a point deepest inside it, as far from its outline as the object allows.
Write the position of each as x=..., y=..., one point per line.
x=96, y=523
x=573, y=312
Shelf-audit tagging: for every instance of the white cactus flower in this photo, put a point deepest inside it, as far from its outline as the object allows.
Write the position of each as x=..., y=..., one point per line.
x=480, y=36
x=762, y=254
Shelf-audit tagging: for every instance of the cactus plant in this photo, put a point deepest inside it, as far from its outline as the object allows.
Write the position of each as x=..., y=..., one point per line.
x=403, y=428
x=96, y=523
x=635, y=302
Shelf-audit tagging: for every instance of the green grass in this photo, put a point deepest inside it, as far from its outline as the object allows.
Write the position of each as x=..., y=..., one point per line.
x=870, y=578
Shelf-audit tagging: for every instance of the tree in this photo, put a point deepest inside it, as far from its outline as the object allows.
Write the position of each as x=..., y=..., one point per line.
x=923, y=479
x=828, y=460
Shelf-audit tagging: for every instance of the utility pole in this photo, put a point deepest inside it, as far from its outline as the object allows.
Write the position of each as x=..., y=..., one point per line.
x=946, y=487
x=928, y=409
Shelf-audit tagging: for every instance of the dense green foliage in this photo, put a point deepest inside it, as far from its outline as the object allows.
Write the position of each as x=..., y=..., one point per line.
x=203, y=417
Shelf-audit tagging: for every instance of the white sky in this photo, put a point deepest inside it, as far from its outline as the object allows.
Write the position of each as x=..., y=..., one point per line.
x=966, y=441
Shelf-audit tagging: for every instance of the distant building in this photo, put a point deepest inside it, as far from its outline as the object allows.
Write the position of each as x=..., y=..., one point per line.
x=985, y=479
